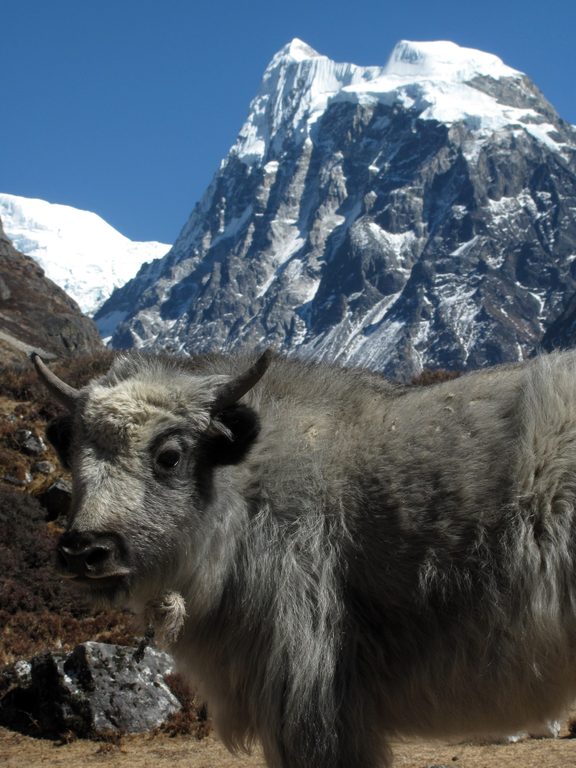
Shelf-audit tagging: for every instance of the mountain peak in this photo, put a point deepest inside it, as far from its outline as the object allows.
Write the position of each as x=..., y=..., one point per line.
x=442, y=59
x=415, y=215
x=438, y=80
x=296, y=50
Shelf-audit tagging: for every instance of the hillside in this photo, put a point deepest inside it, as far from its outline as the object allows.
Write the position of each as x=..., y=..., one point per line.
x=37, y=610
x=36, y=313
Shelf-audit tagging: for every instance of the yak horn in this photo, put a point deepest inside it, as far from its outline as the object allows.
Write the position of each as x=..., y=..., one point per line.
x=231, y=392
x=64, y=393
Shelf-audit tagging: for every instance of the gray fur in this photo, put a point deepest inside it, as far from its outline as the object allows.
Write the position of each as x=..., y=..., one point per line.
x=383, y=560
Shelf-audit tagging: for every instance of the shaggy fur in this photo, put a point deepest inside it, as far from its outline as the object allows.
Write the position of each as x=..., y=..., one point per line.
x=340, y=559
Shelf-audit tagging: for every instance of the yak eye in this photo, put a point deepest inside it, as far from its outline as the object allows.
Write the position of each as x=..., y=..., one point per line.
x=168, y=458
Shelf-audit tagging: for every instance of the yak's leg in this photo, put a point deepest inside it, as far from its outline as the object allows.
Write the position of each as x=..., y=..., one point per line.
x=350, y=744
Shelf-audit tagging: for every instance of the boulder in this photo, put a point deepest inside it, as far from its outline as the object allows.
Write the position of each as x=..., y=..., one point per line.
x=43, y=468
x=96, y=690
x=56, y=499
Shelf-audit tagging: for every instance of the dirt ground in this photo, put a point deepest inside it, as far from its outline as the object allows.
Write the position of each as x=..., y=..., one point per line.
x=18, y=751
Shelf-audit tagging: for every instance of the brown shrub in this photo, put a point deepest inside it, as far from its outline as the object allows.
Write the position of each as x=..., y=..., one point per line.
x=38, y=611
x=13, y=464
x=20, y=382
x=26, y=404
x=192, y=719
x=78, y=371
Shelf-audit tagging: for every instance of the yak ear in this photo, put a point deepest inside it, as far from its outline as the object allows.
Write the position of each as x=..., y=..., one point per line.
x=59, y=435
x=231, y=435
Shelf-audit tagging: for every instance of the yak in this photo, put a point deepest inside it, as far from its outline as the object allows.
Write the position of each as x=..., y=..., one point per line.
x=334, y=559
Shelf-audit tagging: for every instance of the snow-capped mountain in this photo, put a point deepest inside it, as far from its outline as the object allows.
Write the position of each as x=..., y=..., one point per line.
x=77, y=249
x=413, y=215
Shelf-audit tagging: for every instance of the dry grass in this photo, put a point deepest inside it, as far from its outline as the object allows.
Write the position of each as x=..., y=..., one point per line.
x=192, y=720
x=161, y=751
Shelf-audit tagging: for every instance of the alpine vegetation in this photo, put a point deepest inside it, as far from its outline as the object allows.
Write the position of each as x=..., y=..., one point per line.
x=331, y=558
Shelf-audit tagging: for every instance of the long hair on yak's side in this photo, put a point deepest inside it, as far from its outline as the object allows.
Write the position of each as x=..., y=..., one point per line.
x=288, y=588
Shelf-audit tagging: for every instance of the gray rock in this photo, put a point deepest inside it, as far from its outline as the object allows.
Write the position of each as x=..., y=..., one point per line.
x=97, y=689
x=17, y=675
x=5, y=292
x=30, y=443
x=56, y=500
x=20, y=482
x=43, y=467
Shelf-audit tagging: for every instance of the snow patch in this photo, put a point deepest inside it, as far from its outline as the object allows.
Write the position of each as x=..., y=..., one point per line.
x=398, y=242
x=286, y=241
x=444, y=60
x=233, y=227
x=459, y=309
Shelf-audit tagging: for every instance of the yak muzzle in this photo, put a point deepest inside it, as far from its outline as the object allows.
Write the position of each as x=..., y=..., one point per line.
x=91, y=555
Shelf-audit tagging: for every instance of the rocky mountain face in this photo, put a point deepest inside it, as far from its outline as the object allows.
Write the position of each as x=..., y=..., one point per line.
x=37, y=314
x=417, y=215
x=561, y=333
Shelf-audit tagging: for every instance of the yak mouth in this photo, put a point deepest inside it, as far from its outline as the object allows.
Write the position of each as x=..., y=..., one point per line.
x=97, y=580
x=105, y=592
x=87, y=578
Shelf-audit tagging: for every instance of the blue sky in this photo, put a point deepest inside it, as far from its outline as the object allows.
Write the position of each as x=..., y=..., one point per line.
x=126, y=107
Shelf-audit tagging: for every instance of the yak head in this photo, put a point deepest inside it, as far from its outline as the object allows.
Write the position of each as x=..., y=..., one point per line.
x=153, y=448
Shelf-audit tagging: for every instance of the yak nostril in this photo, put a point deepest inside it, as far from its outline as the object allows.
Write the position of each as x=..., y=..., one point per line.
x=97, y=555
x=82, y=555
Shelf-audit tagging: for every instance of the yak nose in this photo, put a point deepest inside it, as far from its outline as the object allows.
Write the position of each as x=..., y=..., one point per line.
x=87, y=554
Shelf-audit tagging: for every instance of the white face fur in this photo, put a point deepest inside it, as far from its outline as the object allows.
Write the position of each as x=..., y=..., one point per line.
x=139, y=463
x=135, y=445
